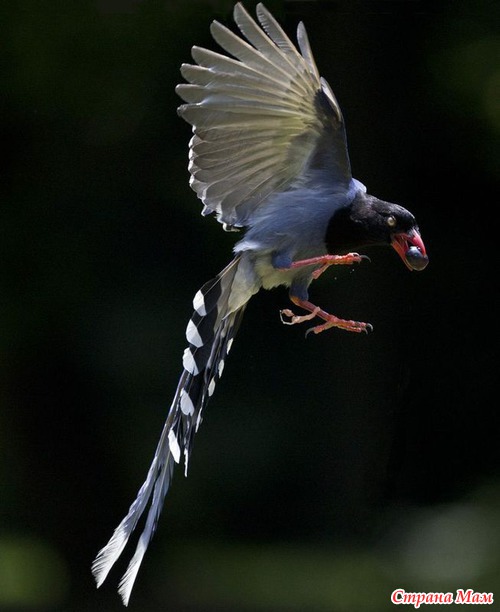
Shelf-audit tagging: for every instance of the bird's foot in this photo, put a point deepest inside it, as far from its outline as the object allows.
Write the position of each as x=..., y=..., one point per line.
x=352, y=326
x=316, y=311
x=348, y=259
x=325, y=261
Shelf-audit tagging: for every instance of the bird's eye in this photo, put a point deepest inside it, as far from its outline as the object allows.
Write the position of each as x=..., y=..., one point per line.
x=391, y=221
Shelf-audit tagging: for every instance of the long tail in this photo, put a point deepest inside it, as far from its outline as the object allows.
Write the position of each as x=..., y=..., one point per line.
x=210, y=334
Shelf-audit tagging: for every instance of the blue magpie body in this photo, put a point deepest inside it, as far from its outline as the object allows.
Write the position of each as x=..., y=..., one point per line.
x=268, y=155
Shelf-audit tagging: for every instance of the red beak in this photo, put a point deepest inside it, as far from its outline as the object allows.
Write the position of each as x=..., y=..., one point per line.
x=410, y=247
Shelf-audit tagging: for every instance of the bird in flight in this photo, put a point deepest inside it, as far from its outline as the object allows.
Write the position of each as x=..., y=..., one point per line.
x=268, y=156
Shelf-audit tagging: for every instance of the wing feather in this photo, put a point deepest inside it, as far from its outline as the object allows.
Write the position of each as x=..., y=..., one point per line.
x=276, y=32
x=262, y=117
x=305, y=49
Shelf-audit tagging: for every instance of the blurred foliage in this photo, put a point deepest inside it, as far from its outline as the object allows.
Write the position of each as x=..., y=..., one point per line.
x=32, y=575
x=328, y=472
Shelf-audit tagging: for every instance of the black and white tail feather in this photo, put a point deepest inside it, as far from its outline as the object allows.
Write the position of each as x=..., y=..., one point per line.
x=210, y=334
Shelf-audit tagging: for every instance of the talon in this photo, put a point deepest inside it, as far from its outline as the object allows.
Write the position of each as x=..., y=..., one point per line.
x=356, y=258
x=330, y=320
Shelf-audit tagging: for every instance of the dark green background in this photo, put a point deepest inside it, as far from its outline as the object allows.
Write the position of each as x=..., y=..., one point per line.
x=329, y=471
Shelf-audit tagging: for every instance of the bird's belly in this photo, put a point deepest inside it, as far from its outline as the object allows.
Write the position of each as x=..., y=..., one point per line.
x=271, y=276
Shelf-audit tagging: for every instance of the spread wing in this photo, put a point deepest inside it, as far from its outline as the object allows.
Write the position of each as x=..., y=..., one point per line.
x=262, y=119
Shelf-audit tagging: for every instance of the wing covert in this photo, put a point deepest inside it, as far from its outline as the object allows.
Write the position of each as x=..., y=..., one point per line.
x=262, y=117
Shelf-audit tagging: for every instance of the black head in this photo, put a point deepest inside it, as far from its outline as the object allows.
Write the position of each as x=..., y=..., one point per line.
x=370, y=221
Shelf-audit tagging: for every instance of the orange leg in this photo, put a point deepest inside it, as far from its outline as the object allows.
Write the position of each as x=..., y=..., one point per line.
x=315, y=311
x=325, y=261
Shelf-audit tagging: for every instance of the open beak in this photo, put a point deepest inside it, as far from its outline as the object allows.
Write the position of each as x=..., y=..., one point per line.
x=410, y=247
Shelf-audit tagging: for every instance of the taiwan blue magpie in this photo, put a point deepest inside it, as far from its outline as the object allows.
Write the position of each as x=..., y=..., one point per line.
x=268, y=156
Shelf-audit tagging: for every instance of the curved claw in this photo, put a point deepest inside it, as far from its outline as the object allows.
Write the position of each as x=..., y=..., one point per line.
x=308, y=331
